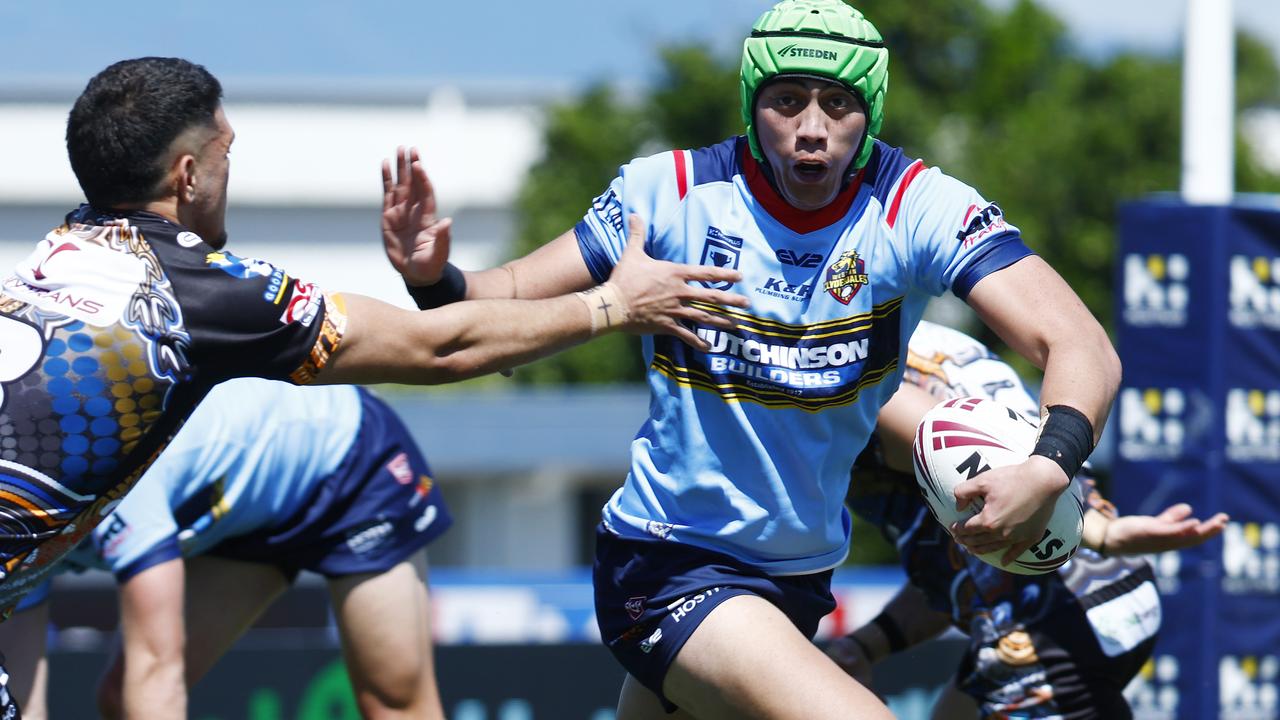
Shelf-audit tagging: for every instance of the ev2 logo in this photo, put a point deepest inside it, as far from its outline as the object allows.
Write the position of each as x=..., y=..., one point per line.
x=804, y=259
x=1155, y=289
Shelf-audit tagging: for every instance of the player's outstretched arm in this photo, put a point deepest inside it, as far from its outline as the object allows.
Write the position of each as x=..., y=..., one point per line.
x=1032, y=309
x=154, y=639
x=417, y=241
x=1172, y=529
x=383, y=343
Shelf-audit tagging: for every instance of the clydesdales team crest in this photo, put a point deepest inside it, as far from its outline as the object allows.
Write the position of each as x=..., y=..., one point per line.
x=845, y=277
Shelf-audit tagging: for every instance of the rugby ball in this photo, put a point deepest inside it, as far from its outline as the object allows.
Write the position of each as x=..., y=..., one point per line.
x=962, y=437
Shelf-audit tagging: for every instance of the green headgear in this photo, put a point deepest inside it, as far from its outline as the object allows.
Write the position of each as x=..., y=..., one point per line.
x=820, y=38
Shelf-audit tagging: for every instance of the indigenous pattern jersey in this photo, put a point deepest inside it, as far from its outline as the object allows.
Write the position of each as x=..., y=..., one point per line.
x=1117, y=594
x=252, y=455
x=748, y=446
x=110, y=332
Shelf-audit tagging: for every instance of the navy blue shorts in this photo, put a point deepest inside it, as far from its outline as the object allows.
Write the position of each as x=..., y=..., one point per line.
x=380, y=506
x=652, y=594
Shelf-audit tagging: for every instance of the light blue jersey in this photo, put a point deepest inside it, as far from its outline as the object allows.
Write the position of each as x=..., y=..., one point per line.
x=251, y=455
x=748, y=447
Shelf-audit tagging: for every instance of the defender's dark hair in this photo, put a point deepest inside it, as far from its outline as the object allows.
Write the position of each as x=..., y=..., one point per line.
x=122, y=125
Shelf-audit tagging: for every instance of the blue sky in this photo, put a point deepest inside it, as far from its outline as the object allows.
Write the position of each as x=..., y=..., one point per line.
x=557, y=42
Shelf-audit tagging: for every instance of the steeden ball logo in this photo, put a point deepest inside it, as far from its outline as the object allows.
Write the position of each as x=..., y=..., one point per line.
x=1155, y=289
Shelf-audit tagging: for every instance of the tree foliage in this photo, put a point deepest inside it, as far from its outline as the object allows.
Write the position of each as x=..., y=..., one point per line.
x=1000, y=99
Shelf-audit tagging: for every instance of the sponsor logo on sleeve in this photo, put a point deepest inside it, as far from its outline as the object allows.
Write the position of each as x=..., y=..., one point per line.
x=276, y=284
x=238, y=267
x=720, y=250
x=980, y=224
x=303, y=304
x=845, y=277
x=1155, y=289
x=1255, y=292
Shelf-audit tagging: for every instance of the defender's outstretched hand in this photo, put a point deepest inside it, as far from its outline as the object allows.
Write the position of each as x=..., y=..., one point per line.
x=1173, y=529
x=416, y=241
x=658, y=295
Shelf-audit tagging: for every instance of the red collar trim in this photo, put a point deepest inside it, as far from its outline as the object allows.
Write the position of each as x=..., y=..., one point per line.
x=800, y=221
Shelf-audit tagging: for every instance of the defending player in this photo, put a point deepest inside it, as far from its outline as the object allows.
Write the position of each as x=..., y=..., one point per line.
x=267, y=479
x=1061, y=645
x=121, y=319
x=713, y=561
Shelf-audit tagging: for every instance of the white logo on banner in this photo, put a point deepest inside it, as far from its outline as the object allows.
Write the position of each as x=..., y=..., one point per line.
x=1247, y=687
x=1255, y=292
x=1251, y=558
x=1155, y=289
x=1153, y=692
x=1152, y=423
x=1253, y=425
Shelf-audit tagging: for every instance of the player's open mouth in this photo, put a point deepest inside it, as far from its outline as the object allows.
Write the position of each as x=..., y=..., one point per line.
x=810, y=171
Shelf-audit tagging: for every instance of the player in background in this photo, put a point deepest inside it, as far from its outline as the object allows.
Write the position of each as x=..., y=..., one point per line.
x=1060, y=645
x=120, y=320
x=713, y=561
x=267, y=479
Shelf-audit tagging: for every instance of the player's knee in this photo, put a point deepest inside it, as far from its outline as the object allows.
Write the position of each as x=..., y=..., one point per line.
x=393, y=693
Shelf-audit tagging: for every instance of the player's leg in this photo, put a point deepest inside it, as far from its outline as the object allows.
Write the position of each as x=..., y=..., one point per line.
x=224, y=598
x=747, y=659
x=22, y=637
x=385, y=623
x=637, y=702
x=215, y=618
x=700, y=631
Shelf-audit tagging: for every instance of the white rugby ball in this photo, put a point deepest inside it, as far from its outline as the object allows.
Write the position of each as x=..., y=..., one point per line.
x=962, y=437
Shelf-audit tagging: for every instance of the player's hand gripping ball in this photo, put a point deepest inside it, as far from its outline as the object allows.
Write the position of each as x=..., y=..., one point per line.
x=962, y=437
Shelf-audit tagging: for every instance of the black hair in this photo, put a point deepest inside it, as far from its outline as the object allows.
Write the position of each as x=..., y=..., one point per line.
x=122, y=125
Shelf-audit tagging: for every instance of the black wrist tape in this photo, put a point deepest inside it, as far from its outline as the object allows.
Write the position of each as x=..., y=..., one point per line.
x=450, y=288
x=1066, y=437
x=892, y=633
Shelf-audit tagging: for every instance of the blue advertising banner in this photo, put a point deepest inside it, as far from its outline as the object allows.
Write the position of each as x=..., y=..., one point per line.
x=1198, y=412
